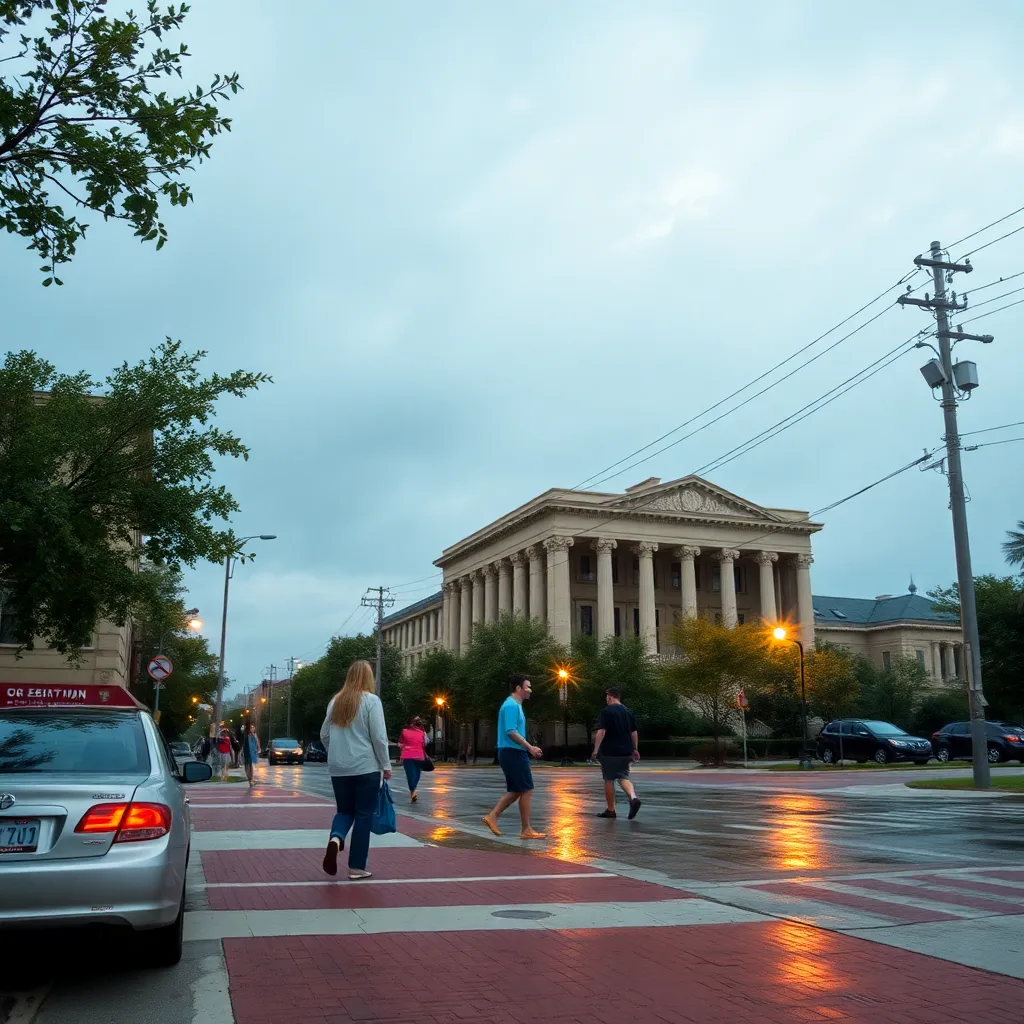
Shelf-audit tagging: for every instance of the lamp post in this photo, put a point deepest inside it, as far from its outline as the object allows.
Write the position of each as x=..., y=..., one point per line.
x=229, y=560
x=563, y=699
x=781, y=634
x=440, y=703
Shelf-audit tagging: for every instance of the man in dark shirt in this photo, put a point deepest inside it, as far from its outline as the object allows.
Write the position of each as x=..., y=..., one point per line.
x=616, y=747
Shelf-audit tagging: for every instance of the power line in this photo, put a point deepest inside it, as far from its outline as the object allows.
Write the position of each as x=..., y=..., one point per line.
x=996, y=298
x=991, y=312
x=988, y=430
x=992, y=284
x=422, y=579
x=601, y=473
x=988, y=444
x=993, y=242
x=973, y=234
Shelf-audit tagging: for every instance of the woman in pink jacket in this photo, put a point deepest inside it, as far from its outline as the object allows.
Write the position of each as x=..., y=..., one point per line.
x=412, y=747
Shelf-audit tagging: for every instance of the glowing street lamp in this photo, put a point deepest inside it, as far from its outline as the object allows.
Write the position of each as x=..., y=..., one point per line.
x=563, y=675
x=439, y=703
x=781, y=635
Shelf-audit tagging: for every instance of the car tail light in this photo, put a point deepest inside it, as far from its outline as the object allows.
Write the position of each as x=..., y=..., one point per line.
x=132, y=822
x=102, y=818
x=144, y=821
x=1012, y=739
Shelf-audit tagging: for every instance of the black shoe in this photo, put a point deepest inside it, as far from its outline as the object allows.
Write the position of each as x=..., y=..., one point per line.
x=607, y=814
x=331, y=856
x=634, y=806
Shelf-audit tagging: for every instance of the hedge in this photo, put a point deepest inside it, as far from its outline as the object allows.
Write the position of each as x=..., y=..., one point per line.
x=681, y=748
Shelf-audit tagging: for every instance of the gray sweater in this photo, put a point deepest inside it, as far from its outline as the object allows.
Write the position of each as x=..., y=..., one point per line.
x=360, y=747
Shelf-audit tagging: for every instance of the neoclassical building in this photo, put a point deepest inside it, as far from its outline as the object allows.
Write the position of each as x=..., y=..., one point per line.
x=608, y=564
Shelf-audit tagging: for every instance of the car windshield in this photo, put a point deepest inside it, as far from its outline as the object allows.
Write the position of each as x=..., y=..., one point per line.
x=885, y=729
x=284, y=743
x=180, y=748
x=97, y=742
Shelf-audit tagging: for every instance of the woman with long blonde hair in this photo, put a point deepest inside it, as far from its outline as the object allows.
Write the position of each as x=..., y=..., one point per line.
x=356, y=739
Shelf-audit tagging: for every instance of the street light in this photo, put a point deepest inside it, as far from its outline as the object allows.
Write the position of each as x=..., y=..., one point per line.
x=781, y=634
x=440, y=703
x=563, y=699
x=229, y=560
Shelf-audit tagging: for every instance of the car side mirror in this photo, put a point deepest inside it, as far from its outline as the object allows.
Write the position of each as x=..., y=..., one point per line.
x=196, y=771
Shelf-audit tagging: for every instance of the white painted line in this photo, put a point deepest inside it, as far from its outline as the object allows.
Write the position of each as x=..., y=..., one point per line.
x=758, y=828
x=26, y=1005
x=203, y=804
x=670, y=913
x=933, y=885
x=892, y=897
x=987, y=880
x=287, y=839
x=411, y=881
x=211, y=1003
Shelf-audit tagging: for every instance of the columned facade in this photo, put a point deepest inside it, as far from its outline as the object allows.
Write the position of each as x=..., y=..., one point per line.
x=559, y=612
x=520, y=568
x=535, y=555
x=766, y=577
x=605, y=594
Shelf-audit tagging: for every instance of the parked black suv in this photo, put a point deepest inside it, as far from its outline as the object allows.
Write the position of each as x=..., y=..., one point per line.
x=856, y=739
x=1005, y=742
x=316, y=751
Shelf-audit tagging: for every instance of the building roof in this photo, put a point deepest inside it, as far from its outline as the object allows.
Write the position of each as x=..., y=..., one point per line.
x=865, y=611
x=411, y=609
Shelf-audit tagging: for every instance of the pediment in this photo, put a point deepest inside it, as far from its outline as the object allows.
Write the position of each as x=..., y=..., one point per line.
x=693, y=496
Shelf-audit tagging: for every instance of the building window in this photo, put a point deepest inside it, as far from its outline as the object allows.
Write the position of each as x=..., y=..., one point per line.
x=615, y=570
x=618, y=622
x=654, y=572
x=586, y=570
x=886, y=661
x=657, y=630
x=716, y=578
x=958, y=668
x=636, y=572
x=741, y=579
x=696, y=574
x=587, y=619
x=920, y=656
x=676, y=570
x=636, y=622
x=8, y=623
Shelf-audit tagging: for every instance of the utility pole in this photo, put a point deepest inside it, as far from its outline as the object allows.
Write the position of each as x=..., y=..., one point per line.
x=954, y=379
x=378, y=597
x=291, y=682
x=270, y=704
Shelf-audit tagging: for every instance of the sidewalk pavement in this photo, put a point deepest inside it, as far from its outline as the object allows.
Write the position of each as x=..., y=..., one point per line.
x=487, y=932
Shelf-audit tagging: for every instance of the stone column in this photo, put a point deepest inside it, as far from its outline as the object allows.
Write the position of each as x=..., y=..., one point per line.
x=936, y=667
x=465, y=612
x=948, y=661
x=478, y=596
x=504, y=586
x=804, y=601
x=559, y=609
x=490, y=593
x=648, y=622
x=538, y=589
x=446, y=615
x=726, y=559
x=604, y=546
x=766, y=561
x=688, y=579
x=519, y=589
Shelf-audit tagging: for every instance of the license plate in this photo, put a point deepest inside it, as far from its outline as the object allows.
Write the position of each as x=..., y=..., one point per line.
x=21, y=836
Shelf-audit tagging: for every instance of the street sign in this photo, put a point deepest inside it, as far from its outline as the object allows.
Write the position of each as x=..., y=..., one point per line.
x=160, y=668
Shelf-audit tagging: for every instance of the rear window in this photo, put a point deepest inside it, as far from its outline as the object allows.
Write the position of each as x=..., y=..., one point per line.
x=90, y=742
x=284, y=743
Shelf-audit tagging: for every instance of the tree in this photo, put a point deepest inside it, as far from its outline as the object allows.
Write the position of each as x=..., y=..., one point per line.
x=833, y=688
x=433, y=677
x=84, y=476
x=1013, y=546
x=1000, y=603
x=892, y=694
x=84, y=122
x=161, y=626
x=716, y=663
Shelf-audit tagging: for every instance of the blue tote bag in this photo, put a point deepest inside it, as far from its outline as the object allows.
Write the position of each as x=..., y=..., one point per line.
x=383, y=820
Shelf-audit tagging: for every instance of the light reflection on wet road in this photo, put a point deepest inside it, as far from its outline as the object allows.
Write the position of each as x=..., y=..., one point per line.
x=721, y=830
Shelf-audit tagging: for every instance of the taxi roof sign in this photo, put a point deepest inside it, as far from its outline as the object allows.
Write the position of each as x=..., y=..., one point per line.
x=67, y=695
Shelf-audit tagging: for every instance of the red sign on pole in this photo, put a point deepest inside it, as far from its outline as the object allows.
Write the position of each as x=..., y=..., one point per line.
x=160, y=668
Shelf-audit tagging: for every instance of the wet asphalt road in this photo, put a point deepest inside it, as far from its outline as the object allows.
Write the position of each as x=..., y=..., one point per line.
x=731, y=826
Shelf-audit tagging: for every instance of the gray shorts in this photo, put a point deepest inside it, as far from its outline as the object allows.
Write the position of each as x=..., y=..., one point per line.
x=614, y=768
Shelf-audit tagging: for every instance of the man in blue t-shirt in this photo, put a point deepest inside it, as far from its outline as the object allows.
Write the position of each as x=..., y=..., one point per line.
x=514, y=753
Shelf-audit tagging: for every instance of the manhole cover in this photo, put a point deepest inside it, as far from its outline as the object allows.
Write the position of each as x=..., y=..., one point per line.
x=523, y=915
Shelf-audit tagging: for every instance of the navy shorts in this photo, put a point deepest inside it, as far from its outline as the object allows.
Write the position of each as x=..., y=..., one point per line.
x=515, y=763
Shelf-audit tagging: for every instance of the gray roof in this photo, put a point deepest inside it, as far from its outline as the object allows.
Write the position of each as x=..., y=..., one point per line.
x=865, y=611
x=411, y=609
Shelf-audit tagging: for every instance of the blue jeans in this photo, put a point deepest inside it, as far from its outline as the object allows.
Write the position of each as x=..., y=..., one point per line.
x=356, y=799
x=412, y=774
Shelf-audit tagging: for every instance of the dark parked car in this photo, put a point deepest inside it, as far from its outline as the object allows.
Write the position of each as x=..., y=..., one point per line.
x=316, y=751
x=1005, y=742
x=181, y=751
x=285, y=751
x=866, y=740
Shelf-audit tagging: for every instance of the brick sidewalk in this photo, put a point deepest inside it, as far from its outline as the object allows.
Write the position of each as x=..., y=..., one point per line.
x=475, y=944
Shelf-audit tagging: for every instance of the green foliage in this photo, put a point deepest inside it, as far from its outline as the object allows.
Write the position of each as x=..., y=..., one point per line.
x=82, y=477
x=1013, y=546
x=893, y=694
x=833, y=686
x=1000, y=602
x=315, y=684
x=940, y=707
x=435, y=676
x=162, y=618
x=83, y=120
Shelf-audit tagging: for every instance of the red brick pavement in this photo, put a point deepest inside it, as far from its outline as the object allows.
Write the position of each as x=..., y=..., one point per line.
x=773, y=973
x=880, y=905
x=1010, y=905
x=252, y=819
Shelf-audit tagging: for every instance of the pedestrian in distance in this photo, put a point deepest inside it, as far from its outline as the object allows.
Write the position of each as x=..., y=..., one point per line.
x=616, y=747
x=412, y=748
x=250, y=752
x=514, y=753
x=236, y=747
x=224, y=749
x=356, y=739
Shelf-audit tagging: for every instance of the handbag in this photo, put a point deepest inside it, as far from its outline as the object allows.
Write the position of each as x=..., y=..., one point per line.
x=383, y=820
x=426, y=765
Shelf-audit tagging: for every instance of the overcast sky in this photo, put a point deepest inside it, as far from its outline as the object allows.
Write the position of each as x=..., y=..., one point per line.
x=487, y=249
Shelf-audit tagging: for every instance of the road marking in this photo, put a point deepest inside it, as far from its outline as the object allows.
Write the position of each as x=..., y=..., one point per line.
x=197, y=805
x=211, y=1003
x=413, y=881
x=22, y=1007
x=758, y=828
x=910, y=901
x=285, y=839
x=223, y=924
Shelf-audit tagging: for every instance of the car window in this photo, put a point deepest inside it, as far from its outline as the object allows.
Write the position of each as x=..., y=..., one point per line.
x=285, y=743
x=960, y=729
x=885, y=729
x=847, y=729
x=90, y=742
